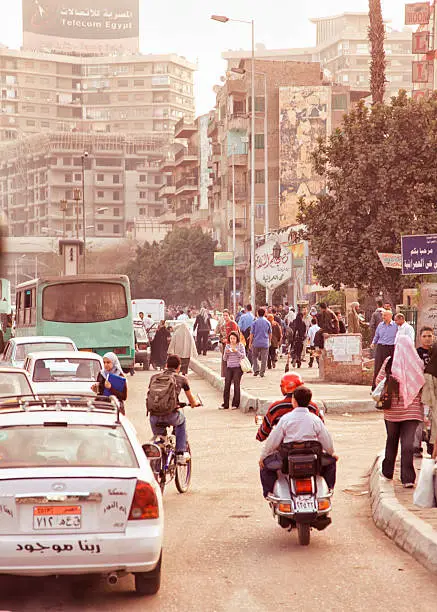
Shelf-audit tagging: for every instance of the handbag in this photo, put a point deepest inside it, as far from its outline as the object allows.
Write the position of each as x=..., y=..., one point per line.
x=424, y=494
x=384, y=402
x=245, y=365
x=377, y=391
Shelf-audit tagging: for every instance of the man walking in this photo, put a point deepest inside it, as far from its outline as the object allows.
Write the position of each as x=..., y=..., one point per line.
x=259, y=340
x=376, y=318
x=404, y=328
x=245, y=322
x=384, y=341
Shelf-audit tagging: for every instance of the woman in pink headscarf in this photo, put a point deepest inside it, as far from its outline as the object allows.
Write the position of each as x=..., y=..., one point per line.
x=404, y=371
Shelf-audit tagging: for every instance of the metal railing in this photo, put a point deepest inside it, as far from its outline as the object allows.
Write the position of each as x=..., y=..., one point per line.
x=187, y=181
x=188, y=151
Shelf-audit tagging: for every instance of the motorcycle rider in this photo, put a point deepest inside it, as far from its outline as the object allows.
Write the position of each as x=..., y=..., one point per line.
x=289, y=383
x=297, y=426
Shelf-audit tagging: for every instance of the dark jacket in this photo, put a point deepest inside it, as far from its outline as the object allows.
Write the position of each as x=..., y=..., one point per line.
x=201, y=325
x=328, y=322
x=120, y=395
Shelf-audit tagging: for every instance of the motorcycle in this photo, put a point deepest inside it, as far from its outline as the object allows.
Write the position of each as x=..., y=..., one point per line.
x=301, y=499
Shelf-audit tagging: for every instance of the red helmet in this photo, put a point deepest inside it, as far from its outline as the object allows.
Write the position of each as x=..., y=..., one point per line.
x=290, y=382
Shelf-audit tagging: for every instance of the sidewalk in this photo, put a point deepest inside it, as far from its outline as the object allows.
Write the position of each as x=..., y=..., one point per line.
x=412, y=528
x=258, y=393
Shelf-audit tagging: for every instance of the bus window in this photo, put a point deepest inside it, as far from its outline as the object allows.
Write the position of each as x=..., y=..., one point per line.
x=86, y=302
x=28, y=298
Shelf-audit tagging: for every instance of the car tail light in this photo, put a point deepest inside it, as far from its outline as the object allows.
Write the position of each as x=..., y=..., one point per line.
x=121, y=350
x=304, y=485
x=145, y=503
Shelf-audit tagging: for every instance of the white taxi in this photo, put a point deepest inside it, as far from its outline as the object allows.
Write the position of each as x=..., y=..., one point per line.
x=77, y=494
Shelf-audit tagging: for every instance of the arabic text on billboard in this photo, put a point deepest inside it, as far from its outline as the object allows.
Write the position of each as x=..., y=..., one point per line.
x=84, y=19
x=269, y=271
x=419, y=254
x=417, y=13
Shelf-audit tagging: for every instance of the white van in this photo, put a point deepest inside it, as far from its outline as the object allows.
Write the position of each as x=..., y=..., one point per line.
x=154, y=308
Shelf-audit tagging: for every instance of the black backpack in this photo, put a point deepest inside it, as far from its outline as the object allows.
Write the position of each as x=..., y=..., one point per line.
x=162, y=396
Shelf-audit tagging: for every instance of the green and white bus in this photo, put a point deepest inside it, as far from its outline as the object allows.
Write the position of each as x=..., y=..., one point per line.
x=93, y=310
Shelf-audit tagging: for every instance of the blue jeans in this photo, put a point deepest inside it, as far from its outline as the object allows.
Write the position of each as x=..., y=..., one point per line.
x=177, y=419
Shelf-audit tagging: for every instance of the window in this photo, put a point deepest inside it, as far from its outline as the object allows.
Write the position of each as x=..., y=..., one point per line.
x=143, y=178
x=115, y=179
x=339, y=102
x=100, y=178
x=100, y=194
x=138, y=82
x=259, y=211
x=68, y=227
x=160, y=80
x=30, y=123
x=116, y=212
x=68, y=178
x=84, y=302
x=122, y=83
x=116, y=229
x=142, y=212
x=362, y=48
x=100, y=227
x=158, y=179
x=259, y=141
x=45, y=124
x=66, y=161
x=78, y=177
x=259, y=104
x=143, y=195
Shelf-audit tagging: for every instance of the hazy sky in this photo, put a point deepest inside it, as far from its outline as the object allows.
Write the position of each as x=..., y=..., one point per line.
x=184, y=27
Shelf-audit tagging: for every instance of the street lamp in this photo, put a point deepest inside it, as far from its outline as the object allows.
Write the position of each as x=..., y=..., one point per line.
x=224, y=19
x=76, y=196
x=277, y=251
x=83, y=157
x=64, y=205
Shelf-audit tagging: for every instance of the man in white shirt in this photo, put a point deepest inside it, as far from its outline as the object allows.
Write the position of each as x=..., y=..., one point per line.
x=299, y=425
x=404, y=328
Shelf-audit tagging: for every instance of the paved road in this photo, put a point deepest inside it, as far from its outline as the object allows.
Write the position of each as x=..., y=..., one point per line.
x=224, y=552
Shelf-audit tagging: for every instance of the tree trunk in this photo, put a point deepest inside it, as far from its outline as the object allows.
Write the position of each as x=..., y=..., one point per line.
x=378, y=63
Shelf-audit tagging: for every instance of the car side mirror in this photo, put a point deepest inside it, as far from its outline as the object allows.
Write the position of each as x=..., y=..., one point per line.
x=152, y=451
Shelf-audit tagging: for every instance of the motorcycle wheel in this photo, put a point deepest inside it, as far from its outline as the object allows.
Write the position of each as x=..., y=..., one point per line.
x=303, y=533
x=183, y=475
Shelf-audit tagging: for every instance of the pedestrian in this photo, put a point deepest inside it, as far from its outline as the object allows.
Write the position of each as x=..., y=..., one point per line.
x=376, y=317
x=426, y=338
x=183, y=345
x=404, y=328
x=275, y=342
x=307, y=320
x=299, y=333
x=240, y=313
x=182, y=316
x=224, y=328
x=384, y=342
x=259, y=341
x=314, y=328
x=341, y=323
x=159, y=347
x=245, y=322
x=355, y=323
x=405, y=379
x=203, y=326
x=429, y=397
x=233, y=354
x=290, y=316
x=327, y=320
x=111, y=365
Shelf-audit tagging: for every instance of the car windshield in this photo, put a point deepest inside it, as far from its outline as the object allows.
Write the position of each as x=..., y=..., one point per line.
x=14, y=384
x=73, y=445
x=37, y=347
x=66, y=369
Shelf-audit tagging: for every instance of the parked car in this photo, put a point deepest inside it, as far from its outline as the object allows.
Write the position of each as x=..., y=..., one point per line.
x=77, y=493
x=15, y=383
x=142, y=346
x=17, y=349
x=63, y=371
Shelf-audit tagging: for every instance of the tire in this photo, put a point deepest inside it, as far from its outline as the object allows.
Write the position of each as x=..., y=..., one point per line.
x=161, y=480
x=148, y=583
x=183, y=475
x=303, y=533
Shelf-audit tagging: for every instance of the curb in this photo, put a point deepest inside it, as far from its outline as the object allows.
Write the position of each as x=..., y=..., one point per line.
x=409, y=532
x=261, y=404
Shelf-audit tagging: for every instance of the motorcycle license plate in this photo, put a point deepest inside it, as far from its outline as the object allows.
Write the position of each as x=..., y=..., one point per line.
x=305, y=504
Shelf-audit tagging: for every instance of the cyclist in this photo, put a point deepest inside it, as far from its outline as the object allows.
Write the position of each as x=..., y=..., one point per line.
x=171, y=382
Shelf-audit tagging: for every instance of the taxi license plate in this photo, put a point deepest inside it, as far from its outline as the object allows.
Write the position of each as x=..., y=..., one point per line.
x=305, y=504
x=57, y=517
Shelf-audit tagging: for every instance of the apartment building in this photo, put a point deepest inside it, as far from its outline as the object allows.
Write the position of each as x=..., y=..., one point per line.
x=343, y=50
x=186, y=174
x=42, y=92
x=42, y=176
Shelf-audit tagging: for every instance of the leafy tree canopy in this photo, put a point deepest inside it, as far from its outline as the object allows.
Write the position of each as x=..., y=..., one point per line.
x=180, y=269
x=381, y=177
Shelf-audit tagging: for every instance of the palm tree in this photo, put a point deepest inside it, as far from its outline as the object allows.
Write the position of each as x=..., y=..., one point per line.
x=377, y=64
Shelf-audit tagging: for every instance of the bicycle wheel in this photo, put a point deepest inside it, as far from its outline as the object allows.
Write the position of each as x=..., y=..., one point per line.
x=183, y=474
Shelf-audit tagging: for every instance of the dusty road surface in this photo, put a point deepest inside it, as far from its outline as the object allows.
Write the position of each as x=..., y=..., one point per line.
x=224, y=552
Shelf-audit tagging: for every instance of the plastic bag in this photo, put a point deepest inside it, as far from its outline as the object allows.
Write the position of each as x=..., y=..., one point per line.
x=377, y=391
x=424, y=494
x=245, y=365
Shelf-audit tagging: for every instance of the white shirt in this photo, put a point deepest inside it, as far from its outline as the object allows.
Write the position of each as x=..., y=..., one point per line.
x=406, y=330
x=297, y=426
x=312, y=332
x=148, y=322
x=290, y=316
x=182, y=317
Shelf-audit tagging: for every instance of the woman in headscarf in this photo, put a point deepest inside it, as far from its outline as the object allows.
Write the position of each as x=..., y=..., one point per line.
x=404, y=373
x=298, y=335
x=159, y=346
x=203, y=326
x=183, y=345
x=275, y=342
x=429, y=396
x=111, y=365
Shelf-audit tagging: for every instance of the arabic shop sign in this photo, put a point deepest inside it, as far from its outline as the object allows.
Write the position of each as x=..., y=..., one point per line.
x=271, y=272
x=419, y=254
x=223, y=258
x=391, y=260
x=84, y=19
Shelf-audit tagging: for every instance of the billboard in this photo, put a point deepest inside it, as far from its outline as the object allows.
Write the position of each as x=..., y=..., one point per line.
x=418, y=13
x=269, y=271
x=82, y=25
x=419, y=254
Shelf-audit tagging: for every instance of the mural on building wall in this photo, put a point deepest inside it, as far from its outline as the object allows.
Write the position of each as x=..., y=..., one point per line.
x=304, y=116
x=204, y=177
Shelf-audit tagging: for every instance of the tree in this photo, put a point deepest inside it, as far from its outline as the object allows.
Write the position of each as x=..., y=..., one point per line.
x=377, y=64
x=180, y=269
x=380, y=172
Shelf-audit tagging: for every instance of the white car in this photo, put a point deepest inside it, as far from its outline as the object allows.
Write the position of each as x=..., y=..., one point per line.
x=63, y=371
x=77, y=494
x=17, y=349
x=14, y=383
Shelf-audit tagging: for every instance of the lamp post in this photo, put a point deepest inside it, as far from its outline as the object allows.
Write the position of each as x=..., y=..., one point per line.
x=234, y=242
x=64, y=204
x=83, y=157
x=76, y=199
x=224, y=19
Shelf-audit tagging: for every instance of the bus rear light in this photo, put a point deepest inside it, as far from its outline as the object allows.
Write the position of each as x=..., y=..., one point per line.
x=121, y=350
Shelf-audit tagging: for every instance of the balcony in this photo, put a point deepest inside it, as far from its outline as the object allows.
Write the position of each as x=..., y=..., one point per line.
x=240, y=191
x=186, y=185
x=167, y=164
x=183, y=129
x=237, y=159
x=238, y=121
x=167, y=191
x=216, y=153
x=183, y=213
x=212, y=128
x=188, y=155
x=240, y=226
